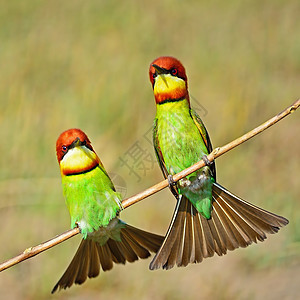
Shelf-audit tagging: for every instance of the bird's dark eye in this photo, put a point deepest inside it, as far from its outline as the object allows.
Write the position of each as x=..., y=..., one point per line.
x=64, y=148
x=154, y=75
x=174, y=72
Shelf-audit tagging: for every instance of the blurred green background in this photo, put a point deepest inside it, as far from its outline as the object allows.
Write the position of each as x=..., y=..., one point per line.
x=85, y=64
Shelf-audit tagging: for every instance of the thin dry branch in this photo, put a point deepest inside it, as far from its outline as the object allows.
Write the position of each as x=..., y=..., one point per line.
x=213, y=155
x=32, y=251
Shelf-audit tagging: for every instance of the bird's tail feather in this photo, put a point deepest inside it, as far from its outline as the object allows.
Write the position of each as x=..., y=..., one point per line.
x=234, y=223
x=90, y=255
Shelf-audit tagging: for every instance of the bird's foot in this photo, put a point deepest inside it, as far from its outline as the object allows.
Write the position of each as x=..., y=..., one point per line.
x=172, y=185
x=171, y=181
x=206, y=160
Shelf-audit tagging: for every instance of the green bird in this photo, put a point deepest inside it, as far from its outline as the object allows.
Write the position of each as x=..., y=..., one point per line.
x=208, y=218
x=94, y=206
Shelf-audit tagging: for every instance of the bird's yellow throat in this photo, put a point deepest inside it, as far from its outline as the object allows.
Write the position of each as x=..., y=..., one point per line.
x=78, y=160
x=169, y=88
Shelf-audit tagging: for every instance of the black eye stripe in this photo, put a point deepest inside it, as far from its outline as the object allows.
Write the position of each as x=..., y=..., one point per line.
x=172, y=71
x=89, y=147
x=65, y=148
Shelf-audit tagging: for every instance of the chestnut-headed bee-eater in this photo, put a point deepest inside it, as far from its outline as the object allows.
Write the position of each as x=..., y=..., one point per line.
x=94, y=206
x=208, y=218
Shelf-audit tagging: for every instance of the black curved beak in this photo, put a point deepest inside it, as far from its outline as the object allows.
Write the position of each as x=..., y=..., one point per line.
x=77, y=142
x=160, y=70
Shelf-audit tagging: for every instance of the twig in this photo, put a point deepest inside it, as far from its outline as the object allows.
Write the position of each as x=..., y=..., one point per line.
x=32, y=251
x=213, y=155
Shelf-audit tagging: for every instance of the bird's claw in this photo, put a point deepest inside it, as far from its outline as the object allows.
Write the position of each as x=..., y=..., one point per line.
x=172, y=185
x=206, y=160
x=171, y=180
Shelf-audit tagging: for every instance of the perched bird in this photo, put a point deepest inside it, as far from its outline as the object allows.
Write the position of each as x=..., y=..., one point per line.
x=94, y=205
x=208, y=218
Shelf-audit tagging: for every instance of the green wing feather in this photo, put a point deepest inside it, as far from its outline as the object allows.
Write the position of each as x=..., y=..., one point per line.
x=198, y=122
x=160, y=158
x=158, y=153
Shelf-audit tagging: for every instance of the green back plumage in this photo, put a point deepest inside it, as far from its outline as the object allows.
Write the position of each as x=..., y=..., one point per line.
x=91, y=199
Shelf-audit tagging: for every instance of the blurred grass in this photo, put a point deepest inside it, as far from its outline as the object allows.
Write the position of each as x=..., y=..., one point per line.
x=84, y=64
